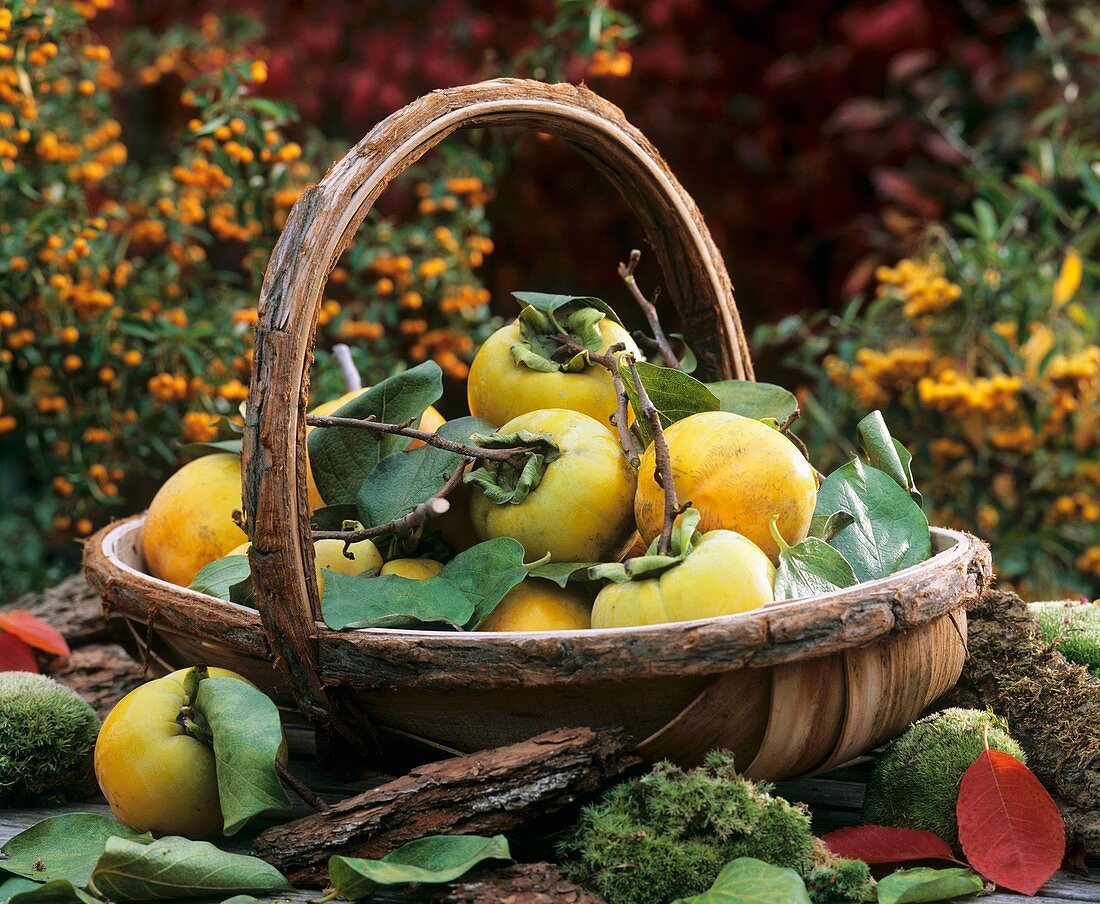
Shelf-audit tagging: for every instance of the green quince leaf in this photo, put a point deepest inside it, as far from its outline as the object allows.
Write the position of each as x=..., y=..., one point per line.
x=674, y=394
x=825, y=527
x=64, y=847
x=341, y=458
x=918, y=886
x=880, y=450
x=810, y=568
x=437, y=858
x=747, y=880
x=756, y=400
x=247, y=738
x=176, y=868
x=57, y=891
x=561, y=573
x=889, y=531
x=332, y=517
x=219, y=576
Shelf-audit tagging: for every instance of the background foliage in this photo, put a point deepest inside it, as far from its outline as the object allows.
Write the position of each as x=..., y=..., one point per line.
x=936, y=161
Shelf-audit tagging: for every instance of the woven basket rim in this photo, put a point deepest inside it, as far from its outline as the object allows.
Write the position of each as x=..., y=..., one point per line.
x=959, y=542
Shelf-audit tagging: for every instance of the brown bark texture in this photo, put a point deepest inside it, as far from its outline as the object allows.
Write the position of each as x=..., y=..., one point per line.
x=483, y=793
x=524, y=883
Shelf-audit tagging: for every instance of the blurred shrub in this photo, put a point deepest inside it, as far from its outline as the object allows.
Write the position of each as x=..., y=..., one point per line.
x=128, y=291
x=983, y=344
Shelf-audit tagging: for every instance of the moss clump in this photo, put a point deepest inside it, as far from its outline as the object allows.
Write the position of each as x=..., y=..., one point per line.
x=668, y=834
x=1074, y=628
x=844, y=880
x=47, y=737
x=916, y=782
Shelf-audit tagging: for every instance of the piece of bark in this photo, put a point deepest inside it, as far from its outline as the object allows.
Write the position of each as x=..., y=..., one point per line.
x=74, y=608
x=524, y=883
x=1052, y=707
x=102, y=674
x=482, y=793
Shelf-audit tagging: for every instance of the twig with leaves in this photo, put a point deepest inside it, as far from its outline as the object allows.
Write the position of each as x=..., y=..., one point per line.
x=649, y=309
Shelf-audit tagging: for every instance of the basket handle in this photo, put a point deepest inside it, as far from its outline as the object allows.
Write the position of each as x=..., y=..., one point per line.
x=320, y=227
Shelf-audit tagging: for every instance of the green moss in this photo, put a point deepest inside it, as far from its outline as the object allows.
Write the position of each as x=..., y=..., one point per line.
x=844, y=880
x=47, y=737
x=668, y=834
x=1074, y=628
x=916, y=782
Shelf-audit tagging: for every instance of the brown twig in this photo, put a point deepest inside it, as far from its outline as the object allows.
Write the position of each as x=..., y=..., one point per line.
x=622, y=416
x=429, y=439
x=299, y=787
x=664, y=460
x=404, y=525
x=649, y=308
x=353, y=382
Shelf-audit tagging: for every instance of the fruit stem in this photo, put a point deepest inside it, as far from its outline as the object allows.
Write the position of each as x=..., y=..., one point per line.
x=353, y=382
x=663, y=468
x=649, y=308
x=298, y=786
x=773, y=526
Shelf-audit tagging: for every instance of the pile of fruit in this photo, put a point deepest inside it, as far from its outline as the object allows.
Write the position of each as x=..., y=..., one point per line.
x=587, y=488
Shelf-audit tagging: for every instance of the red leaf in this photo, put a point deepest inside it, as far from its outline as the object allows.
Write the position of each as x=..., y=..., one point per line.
x=1009, y=828
x=15, y=655
x=34, y=631
x=882, y=844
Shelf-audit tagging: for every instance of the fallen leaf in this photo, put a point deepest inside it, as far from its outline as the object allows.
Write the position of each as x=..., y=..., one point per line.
x=15, y=655
x=33, y=631
x=884, y=844
x=919, y=886
x=1009, y=827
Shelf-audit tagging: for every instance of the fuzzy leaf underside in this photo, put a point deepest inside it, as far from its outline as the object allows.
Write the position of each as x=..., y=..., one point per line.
x=247, y=738
x=66, y=847
x=747, y=880
x=889, y=531
x=174, y=868
x=341, y=458
x=435, y=859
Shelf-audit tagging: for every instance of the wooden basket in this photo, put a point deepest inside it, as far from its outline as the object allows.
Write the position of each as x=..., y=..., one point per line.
x=792, y=689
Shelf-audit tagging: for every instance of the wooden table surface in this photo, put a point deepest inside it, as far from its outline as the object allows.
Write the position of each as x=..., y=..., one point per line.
x=835, y=800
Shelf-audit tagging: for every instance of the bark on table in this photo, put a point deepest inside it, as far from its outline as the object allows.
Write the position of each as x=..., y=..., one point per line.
x=482, y=794
x=1052, y=707
x=524, y=883
x=102, y=674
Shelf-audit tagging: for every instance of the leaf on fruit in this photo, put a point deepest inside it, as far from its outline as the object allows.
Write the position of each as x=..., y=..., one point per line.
x=885, y=844
x=917, y=886
x=810, y=568
x=674, y=394
x=175, y=868
x=747, y=880
x=756, y=400
x=64, y=847
x=462, y=594
x=16, y=655
x=33, y=631
x=340, y=458
x=1009, y=827
x=58, y=891
x=825, y=527
x=561, y=573
x=437, y=858
x=247, y=738
x=554, y=305
x=220, y=576
x=880, y=450
x=401, y=481
x=889, y=531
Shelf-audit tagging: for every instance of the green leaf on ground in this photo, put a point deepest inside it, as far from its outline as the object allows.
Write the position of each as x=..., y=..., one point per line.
x=747, y=880
x=248, y=736
x=880, y=450
x=58, y=891
x=219, y=576
x=809, y=568
x=63, y=847
x=176, y=868
x=14, y=886
x=462, y=594
x=674, y=394
x=918, y=886
x=403, y=480
x=756, y=400
x=437, y=858
x=889, y=531
x=341, y=457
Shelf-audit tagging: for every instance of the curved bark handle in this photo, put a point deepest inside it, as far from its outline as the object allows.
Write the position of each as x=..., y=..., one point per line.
x=320, y=228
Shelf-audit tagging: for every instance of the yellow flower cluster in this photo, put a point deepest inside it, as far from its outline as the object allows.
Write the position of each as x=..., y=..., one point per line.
x=1089, y=561
x=919, y=285
x=954, y=394
x=877, y=376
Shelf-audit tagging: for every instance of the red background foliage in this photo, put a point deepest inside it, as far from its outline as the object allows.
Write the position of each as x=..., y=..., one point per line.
x=764, y=109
